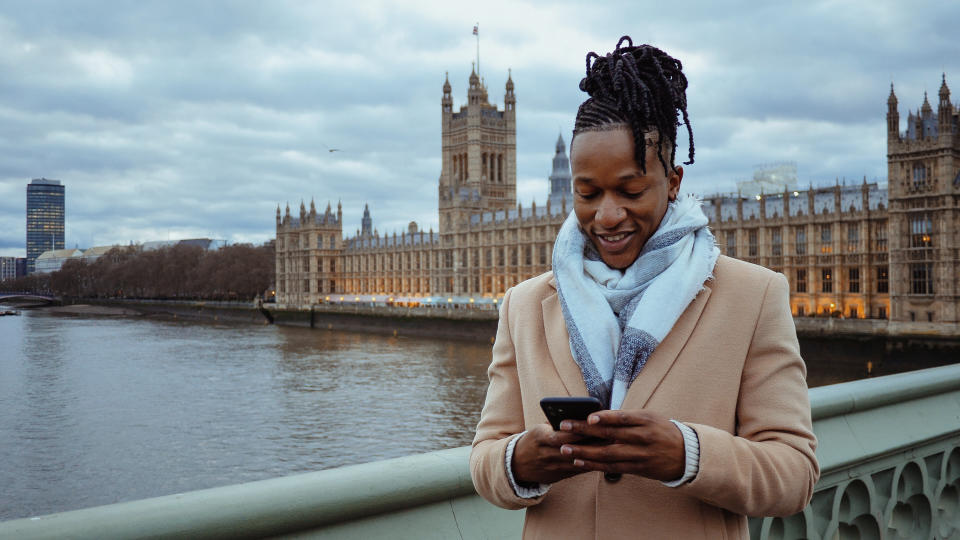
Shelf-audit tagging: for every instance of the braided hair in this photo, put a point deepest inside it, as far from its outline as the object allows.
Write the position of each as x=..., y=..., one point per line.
x=640, y=87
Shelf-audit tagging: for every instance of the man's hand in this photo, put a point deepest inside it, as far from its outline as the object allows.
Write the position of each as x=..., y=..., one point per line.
x=640, y=442
x=537, y=458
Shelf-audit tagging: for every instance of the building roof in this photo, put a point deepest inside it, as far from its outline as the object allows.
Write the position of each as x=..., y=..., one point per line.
x=60, y=254
x=97, y=251
x=45, y=181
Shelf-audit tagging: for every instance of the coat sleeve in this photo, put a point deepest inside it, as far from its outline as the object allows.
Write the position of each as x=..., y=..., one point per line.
x=501, y=418
x=768, y=468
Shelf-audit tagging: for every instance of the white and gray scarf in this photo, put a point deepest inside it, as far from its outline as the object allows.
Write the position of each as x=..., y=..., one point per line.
x=617, y=318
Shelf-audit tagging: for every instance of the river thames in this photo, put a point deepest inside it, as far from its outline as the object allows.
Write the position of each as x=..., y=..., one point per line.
x=97, y=410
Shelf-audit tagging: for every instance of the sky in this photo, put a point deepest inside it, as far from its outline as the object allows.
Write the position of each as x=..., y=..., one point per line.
x=177, y=119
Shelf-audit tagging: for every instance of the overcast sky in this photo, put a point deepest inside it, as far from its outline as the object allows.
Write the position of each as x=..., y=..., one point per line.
x=186, y=119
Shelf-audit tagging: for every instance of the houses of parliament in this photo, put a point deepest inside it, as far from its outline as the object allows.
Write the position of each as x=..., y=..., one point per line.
x=859, y=250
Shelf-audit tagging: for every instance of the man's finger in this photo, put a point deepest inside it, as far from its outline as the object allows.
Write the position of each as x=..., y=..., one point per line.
x=605, y=453
x=619, y=418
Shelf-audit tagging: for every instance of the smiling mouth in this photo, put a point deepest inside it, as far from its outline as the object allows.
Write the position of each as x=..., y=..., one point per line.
x=614, y=243
x=613, y=237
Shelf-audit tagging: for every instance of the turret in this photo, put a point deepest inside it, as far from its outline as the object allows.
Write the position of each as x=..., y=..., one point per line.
x=925, y=119
x=509, y=99
x=446, y=104
x=303, y=211
x=475, y=94
x=560, y=178
x=945, y=108
x=278, y=214
x=313, y=208
x=366, y=223
x=893, y=117
x=339, y=212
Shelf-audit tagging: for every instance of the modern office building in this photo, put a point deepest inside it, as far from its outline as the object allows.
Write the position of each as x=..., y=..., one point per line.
x=8, y=268
x=45, y=218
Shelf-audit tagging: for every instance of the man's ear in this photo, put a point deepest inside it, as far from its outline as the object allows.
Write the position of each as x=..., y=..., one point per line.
x=673, y=183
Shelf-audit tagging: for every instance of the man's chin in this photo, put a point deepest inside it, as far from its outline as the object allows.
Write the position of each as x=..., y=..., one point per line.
x=617, y=262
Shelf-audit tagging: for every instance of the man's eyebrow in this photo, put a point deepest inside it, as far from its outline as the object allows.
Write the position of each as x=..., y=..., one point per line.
x=623, y=178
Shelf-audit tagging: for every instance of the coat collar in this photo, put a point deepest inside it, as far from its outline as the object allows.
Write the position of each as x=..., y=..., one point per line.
x=657, y=367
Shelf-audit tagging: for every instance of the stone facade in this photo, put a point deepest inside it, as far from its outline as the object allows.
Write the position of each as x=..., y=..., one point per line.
x=858, y=251
x=486, y=242
x=830, y=243
x=308, y=255
x=924, y=181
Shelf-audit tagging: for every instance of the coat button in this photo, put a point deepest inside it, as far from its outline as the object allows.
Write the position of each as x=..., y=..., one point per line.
x=612, y=476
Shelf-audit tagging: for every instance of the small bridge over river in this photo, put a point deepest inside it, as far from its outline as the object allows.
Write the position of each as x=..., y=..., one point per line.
x=28, y=299
x=889, y=458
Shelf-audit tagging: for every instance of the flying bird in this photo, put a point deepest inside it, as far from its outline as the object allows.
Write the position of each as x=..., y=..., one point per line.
x=331, y=150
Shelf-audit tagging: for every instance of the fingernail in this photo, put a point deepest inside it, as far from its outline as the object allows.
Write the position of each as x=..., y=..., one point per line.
x=566, y=450
x=565, y=425
x=593, y=420
x=578, y=463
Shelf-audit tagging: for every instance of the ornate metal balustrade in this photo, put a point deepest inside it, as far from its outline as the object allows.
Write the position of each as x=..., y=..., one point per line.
x=889, y=453
x=890, y=459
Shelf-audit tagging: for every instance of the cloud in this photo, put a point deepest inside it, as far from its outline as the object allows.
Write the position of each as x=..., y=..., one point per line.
x=162, y=120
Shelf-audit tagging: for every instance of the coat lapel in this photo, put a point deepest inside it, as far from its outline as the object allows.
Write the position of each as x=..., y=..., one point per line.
x=665, y=354
x=558, y=343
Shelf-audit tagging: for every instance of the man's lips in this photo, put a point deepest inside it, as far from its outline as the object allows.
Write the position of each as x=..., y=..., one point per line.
x=614, y=241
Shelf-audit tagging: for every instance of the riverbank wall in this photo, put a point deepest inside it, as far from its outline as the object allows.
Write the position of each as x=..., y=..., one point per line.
x=898, y=335
x=481, y=324
x=467, y=324
x=207, y=311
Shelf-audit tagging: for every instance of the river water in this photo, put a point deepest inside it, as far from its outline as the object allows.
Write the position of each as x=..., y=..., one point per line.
x=97, y=410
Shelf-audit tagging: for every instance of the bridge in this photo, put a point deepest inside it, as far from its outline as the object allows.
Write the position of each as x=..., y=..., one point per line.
x=28, y=299
x=889, y=454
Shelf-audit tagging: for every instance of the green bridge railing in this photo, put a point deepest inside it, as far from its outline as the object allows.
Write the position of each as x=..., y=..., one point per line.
x=889, y=453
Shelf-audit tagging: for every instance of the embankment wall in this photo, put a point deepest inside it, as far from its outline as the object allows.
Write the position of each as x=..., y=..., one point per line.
x=481, y=324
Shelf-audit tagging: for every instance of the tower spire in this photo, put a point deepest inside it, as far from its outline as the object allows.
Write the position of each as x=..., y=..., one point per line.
x=446, y=103
x=366, y=223
x=893, y=117
x=944, y=108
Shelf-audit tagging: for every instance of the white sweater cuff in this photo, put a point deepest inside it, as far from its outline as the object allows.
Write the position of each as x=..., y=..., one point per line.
x=522, y=492
x=691, y=449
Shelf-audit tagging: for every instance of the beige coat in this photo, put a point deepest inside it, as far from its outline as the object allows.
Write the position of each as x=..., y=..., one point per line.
x=730, y=368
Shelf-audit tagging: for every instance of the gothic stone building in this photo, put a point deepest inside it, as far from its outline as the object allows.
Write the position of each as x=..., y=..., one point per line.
x=923, y=170
x=863, y=251
x=830, y=243
x=486, y=242
x=851, y=250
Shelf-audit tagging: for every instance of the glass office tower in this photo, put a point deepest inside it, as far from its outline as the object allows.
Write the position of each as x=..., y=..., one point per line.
x=45, y=212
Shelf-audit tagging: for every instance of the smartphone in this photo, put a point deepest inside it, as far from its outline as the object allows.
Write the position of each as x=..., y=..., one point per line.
x=558, y=409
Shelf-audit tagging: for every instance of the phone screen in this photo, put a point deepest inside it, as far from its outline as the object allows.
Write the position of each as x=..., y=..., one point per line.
x=558, y=409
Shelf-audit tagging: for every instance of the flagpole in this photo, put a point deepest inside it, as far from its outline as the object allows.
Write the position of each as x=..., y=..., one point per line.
x=476, y=32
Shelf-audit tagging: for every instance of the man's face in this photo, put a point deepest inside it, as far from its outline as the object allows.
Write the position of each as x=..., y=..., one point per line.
x=618, y=205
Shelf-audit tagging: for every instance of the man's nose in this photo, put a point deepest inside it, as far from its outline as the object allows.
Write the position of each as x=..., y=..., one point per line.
x=609, y=213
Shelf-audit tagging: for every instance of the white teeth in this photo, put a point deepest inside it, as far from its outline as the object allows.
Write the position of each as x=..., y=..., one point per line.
x=615, y=238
